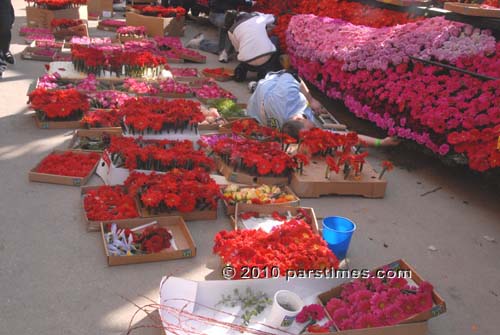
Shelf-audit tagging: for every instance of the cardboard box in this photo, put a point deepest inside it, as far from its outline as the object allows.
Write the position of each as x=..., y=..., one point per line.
x=99, y=8
x=269, y=209
x=184, y=242
x=472, y=9
x=80, y=30
x=62, y=180
x=438, y=308
x=193, y=58
x=228, y=75
x=30, y=53
x=231, y=209
x=94, y=133
x=41, y=18
x=157, y=26
x=244, y=178
x=313, y=184
x=177, y=295
x=93, y=226
x=56, y=124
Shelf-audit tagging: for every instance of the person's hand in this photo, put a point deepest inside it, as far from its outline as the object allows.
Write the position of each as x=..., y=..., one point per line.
x=390, y=141
x=317, y=107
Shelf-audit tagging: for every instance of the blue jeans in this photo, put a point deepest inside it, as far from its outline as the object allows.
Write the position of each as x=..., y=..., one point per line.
x=215, y=47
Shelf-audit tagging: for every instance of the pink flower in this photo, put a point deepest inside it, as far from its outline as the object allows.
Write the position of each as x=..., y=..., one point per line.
x=334, y=304
x=379, y=301
x=366, y=321
x=394, y=314
x=313, y=312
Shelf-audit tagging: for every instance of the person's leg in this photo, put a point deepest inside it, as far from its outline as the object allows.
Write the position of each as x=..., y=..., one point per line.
x=5, y=37
x=209, y=46
x=240, y=72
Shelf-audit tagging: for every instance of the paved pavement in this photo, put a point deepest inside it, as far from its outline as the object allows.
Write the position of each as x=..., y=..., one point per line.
x=53, y=274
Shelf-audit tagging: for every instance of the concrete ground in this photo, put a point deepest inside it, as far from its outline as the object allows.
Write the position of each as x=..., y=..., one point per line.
x=53, y=274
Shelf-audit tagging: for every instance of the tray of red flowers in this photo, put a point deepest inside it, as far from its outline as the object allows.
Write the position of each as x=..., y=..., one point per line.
x=330, y=164
x=106, y=204
x=219, y=73
x=147, y=240
x=58, y=108
x=191, y=194
x=68, y=167
x=382, y=302
x=161, y=118
x=291, y=245
x=247, y=161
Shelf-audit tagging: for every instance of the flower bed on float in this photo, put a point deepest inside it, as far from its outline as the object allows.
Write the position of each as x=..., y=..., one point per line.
x=446, y=111
x=355, y=12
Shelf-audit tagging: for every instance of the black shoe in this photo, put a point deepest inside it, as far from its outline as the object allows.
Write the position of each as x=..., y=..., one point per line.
x=9, y=58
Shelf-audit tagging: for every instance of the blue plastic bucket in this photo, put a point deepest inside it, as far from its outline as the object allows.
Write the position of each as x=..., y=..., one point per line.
x=337, y=232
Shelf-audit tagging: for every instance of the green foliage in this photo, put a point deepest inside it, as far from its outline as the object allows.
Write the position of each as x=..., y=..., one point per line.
x=252, y=304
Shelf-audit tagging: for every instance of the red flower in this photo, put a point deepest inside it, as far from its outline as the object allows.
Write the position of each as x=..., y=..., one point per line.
x=57, y=105
x=69, y=163
x=283, y=247
x=109, y=203
x=387, y=165
x=172, y=200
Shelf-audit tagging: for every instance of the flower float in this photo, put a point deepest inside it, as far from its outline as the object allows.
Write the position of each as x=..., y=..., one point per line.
x=428, y=104
x=58, y=105
x=144, y=115
x=107, y=203
x=177, y=190
x=69, y=163
x=282, y=247
x=165, y=155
